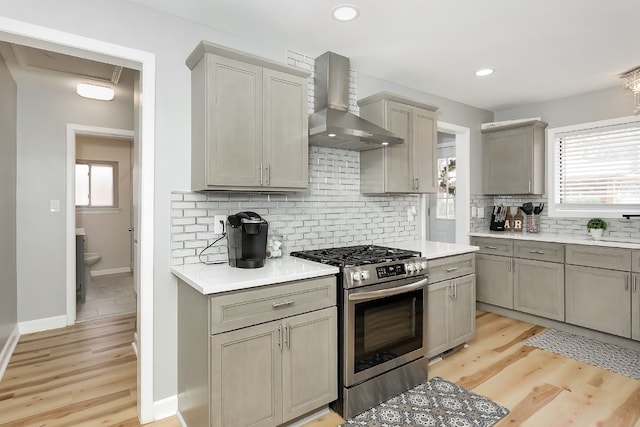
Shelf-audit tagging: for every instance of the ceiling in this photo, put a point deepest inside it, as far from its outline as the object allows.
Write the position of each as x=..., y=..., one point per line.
x=541, y=50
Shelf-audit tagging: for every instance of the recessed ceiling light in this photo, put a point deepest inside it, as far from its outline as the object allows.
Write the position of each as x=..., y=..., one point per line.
x=331, y=135
x=484, y=72
x=345, y=12
x=101, y=93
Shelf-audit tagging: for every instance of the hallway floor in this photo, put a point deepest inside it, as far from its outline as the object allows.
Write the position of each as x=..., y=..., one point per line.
x=107, y=296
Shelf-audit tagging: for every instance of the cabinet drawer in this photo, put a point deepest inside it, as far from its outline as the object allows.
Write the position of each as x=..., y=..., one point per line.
x=493, y=246
x=246, y=308
x=599, y=257
x=450, y=267
x=635, y=261
x=541, y=251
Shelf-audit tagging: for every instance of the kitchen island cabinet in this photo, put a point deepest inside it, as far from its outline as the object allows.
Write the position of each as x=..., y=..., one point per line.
x=403, y=168
x=249, y=122
x=513, y=158
x=451, y=303
x=261, y=355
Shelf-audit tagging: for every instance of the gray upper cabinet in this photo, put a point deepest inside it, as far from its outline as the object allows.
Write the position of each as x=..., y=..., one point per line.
x=405, y=168
x=249, y=126
x=513, y=159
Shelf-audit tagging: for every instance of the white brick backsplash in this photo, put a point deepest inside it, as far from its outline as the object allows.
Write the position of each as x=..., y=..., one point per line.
x=335, y=216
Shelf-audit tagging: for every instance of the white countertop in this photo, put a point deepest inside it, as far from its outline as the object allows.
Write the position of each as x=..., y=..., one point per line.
x=213, y=279
x=433, y=250
x=612, y=242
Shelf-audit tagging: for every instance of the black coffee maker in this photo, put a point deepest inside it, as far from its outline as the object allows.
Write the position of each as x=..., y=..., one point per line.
x=247, y=240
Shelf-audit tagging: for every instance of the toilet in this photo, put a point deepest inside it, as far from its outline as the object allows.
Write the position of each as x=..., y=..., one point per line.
x=90, y=259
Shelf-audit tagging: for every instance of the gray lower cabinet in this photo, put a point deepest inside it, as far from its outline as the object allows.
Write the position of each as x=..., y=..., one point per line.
x=598, y=299
x=495, y=280
x=249, y=126
x=268, y=374
x=538, y=288
x=257, y=357
x=451, y=305
x=635, y=296
x=538, y=278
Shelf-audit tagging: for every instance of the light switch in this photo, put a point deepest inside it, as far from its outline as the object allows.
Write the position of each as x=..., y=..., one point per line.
x=54, y=205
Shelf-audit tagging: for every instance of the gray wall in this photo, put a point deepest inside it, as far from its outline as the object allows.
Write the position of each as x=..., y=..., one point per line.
x=171, y=40
x=8, y=277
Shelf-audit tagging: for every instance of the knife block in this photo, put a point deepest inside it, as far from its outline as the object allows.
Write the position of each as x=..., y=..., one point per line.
x=496, y=225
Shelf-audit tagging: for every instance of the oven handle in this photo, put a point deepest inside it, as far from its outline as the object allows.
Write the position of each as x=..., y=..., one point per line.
x=388, y=292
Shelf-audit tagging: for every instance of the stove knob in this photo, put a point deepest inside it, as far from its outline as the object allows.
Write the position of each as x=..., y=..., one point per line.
x=423, y=264
x=411, y=268
x=356, y=276
x=418, y=267
x=365, y=275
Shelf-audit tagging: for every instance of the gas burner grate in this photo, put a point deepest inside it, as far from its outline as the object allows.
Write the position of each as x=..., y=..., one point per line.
x=349, y=256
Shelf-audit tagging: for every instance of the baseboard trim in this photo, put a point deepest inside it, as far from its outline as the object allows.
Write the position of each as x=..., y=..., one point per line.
x=181, y=420
x=45, y=324
x=95, y=273
x=7, y=350
x=165, y=408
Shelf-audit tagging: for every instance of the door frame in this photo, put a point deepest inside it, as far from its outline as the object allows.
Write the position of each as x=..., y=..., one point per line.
x=463, y=184
x=71, y=44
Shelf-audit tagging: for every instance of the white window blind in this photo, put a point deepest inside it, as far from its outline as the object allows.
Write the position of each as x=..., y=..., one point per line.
x=597, y=167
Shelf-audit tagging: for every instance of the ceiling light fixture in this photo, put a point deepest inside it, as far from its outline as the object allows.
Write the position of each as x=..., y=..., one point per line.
x=101, y=93
x=345, y=12
x=484, y=72
x=632, y=82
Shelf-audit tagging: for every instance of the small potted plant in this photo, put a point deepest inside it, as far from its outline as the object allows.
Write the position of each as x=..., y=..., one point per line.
x=596, y=226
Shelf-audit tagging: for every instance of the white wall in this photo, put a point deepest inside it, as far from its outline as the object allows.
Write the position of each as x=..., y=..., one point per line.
x=8, y=276
x=171, y=40
x=107, y=233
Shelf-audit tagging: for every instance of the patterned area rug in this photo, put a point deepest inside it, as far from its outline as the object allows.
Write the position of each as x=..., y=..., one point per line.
x=437, y=403
x=607, y=356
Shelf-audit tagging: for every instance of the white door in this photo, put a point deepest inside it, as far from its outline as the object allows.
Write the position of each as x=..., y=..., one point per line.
x=442, y=204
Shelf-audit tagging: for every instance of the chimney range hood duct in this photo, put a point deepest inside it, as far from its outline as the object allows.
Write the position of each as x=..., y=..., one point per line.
x=332, y=125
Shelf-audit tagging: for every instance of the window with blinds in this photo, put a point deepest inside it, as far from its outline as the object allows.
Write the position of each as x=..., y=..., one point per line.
x=597, y=167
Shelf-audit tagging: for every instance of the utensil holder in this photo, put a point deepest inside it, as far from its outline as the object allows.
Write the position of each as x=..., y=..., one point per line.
x=533, y=223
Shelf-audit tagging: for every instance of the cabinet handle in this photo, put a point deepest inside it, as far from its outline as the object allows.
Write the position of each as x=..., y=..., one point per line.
x=509, y=265
x=287, y=335
x=491, y=247
x=455, y=290
x=280, y=337
x=537, y=252
x=260, y=173
x=529, y=186
x=635, y=283
x=281, y=304
x=417, y=183
x=626, y=282
x=268, y=169
x=450, y=269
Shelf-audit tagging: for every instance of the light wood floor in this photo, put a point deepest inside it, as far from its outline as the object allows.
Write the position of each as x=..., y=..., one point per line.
x=85, y=375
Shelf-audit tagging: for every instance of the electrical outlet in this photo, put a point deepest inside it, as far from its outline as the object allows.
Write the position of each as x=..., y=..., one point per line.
x=219, y=224
x=480, y=212
x=474, y=211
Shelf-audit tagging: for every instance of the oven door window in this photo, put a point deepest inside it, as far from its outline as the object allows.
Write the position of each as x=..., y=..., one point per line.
x=387, y=328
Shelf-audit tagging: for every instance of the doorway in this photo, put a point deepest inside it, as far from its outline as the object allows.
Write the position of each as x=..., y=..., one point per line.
x=104, y=218
x=144, y=124
x=442, y=204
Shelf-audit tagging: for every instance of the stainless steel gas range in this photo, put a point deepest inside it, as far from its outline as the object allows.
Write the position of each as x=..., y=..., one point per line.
x=382, y=323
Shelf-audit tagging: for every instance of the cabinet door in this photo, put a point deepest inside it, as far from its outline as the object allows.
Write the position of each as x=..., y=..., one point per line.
x=494, y=280
x=538, y=288
x=635, y=308
x=424, y=151
x=438, y=318
x=507, y=161
x=286, y=146
x=398, y=173
x=246, y=376
x=598, y=299
x=234, y=126
x=310, y=369
x=463, y=310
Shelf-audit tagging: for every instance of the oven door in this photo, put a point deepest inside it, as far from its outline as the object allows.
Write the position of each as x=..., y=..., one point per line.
x=385, y=326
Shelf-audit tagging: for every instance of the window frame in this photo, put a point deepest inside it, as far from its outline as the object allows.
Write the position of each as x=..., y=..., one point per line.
x=100, y=209
x=590, y=211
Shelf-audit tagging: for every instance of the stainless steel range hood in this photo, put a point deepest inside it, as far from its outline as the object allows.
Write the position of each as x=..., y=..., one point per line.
x=332, y=125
